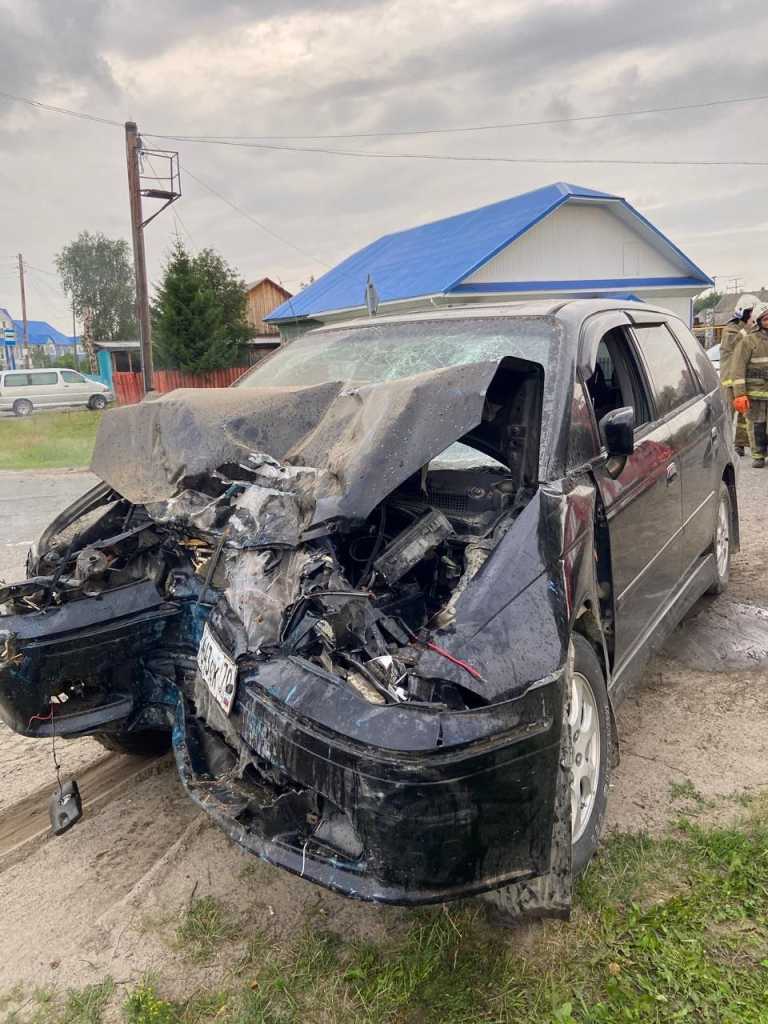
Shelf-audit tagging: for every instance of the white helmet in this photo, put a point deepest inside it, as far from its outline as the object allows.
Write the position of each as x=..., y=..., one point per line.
x=745, y=303
x=759, y=310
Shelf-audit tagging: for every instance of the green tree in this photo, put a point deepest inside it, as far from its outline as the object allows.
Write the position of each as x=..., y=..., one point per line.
x=199, y=314
x=708, y=301
x=97, y=272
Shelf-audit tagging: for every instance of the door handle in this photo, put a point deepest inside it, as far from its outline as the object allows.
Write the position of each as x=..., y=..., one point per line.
x=713, y=433
x=672, y=473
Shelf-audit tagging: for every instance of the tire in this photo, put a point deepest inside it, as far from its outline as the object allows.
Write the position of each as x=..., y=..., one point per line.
x=145, y=742
x=588, y=708
x=22, y=407
x=97, y=403
x=721, y=540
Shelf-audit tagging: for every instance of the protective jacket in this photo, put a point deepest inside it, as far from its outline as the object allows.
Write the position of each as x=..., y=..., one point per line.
x=749, y=365
x=728, y=340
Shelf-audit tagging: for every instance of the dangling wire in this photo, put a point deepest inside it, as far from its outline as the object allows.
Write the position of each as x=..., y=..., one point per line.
x=56, y=762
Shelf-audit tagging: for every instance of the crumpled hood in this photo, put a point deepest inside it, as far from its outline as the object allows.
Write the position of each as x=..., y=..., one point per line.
x=364, y=441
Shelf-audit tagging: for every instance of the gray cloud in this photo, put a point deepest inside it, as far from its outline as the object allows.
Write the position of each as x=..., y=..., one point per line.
x=359, y=65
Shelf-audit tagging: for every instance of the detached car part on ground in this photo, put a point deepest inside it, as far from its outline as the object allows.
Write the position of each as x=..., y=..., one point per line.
x=378, y=612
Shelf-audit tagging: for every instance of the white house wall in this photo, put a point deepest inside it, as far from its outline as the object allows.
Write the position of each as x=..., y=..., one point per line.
x=579, y=241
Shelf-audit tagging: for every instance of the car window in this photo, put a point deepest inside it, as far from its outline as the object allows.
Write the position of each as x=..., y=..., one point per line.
x=672, y=380
x=43, y=378
x=698, y=357
x=16, y=380
x=70, y=377
x=617, y=381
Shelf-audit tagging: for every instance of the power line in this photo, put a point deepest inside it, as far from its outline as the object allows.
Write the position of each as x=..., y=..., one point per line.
x=59, y=110
x=241, y=142
x=253, y=220
x=466, y=158
x=468, y=128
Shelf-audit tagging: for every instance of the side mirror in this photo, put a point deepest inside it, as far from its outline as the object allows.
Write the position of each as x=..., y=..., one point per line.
x=617, y=432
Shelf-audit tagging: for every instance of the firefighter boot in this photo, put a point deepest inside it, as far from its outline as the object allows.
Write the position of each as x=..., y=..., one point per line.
x=761, y=443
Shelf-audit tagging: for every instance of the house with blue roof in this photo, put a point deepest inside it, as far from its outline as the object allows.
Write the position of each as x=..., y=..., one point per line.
x=41, y=334
x=557, y=241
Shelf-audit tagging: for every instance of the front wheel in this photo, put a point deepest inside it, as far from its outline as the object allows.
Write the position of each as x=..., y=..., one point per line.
x=721, y=541
x=97, y=402
x=145, y=742
x=22, y=407
x=589, y=720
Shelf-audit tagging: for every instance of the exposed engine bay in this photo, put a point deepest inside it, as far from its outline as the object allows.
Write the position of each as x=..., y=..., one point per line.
x=357, y=599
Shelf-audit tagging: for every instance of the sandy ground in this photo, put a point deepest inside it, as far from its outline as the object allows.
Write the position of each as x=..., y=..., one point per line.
x=105, y=898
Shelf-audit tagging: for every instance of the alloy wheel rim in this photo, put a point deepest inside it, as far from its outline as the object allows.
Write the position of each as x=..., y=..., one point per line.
x=722, y=539
x=584, y=723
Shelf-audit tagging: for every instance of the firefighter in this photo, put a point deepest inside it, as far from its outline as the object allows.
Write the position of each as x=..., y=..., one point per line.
x=749, y=380
x=728, y=338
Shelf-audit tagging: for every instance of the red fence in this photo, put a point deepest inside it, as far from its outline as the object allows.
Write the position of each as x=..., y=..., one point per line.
x=129, y=389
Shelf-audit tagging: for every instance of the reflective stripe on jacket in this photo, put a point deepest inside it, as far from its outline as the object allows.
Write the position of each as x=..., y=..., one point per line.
x=749, y=365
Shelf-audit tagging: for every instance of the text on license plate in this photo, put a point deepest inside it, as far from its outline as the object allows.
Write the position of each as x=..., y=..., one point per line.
x=217, y=669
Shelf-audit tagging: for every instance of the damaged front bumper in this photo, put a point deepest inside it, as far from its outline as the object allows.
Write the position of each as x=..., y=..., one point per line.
x=391, y=804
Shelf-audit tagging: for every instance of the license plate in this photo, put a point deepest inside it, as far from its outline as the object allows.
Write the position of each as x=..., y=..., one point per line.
x=217, y=669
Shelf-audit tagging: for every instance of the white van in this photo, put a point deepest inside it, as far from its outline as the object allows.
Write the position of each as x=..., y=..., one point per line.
x=21, y=391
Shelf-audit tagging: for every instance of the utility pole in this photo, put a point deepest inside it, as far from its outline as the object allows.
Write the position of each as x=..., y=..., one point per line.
x=25, y=335
x=132, y=147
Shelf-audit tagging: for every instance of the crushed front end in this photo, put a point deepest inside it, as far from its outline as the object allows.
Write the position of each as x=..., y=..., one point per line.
x=362, y=699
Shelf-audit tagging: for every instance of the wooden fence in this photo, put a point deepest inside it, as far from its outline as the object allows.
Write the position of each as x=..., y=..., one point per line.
x=129, y=389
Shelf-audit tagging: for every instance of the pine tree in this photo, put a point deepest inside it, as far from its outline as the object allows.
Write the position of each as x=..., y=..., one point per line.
x=199, y=314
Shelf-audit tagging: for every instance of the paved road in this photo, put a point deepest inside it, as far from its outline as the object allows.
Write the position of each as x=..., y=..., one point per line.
x=28, y=502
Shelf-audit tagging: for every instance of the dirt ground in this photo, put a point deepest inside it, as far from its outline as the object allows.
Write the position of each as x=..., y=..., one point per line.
x=104, y=899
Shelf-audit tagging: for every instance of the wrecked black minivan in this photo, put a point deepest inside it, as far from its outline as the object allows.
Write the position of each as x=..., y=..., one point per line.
x=382, y=595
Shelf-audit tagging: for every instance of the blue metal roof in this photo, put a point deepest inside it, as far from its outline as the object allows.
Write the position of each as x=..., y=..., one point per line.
x=435, y=258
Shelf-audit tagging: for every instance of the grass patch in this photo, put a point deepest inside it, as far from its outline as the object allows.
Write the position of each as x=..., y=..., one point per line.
x=204, y=926
x=671, y=929
x=48, y=440
x=685, y=790
x=86, y=1005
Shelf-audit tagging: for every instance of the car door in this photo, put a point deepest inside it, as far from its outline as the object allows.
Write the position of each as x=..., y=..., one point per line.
x=77, y=390
x=693, y=431
x=43, y=388
x=642, y=503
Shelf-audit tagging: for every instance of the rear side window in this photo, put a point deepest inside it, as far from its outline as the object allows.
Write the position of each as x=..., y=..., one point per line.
x=672, y=381
x=44, y=378
x=71, y=377
x=16, y=380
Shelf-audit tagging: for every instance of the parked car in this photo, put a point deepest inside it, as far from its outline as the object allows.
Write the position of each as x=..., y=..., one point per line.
x=387, y=591
x=22, y=391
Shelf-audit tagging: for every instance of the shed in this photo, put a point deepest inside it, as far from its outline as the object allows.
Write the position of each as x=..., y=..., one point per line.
x=559, y=240
x=262, y=297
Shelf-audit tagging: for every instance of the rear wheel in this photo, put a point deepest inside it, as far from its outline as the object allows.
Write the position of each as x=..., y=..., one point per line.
x=97, y=402
x=721, y=541
x=146, y=742
x=22, y=407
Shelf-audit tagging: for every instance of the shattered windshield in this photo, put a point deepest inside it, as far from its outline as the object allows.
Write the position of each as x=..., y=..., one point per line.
x=389, y=351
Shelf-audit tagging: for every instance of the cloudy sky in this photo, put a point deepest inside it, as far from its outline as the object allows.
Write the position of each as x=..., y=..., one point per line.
x=304, y=68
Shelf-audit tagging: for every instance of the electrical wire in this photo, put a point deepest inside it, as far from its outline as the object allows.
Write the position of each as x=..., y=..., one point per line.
x=463, y=158
x=59, y=110
x=466, y=158
x=473, y=128
x=253, y=220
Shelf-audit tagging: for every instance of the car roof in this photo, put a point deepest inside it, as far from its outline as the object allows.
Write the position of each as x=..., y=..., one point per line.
x=494, y=310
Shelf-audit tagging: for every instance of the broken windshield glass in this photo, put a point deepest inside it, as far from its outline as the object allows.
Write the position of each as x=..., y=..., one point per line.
x=388, y=351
